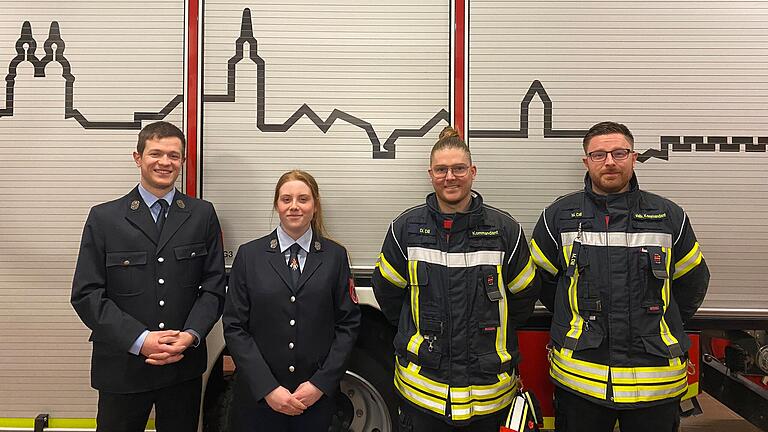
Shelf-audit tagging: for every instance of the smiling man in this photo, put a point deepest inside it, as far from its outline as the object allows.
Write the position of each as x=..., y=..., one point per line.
x=622, y=273
x=149, y=283
x=456, y=277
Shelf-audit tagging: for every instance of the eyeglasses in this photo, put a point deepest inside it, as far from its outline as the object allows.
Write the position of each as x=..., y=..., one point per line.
x=618, y=154
x=441, y=171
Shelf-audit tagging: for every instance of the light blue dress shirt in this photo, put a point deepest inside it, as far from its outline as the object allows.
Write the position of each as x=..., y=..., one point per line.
x=286, y=242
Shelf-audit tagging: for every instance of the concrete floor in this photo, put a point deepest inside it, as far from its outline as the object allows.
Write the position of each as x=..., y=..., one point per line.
x=716, y=418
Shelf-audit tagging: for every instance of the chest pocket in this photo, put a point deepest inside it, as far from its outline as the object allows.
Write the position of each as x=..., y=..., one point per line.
x=124, y=272
x=189, y=258
x=485, y=238
x=420, y=234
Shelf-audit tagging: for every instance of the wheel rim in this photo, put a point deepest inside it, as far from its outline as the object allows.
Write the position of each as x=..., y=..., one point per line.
x=369, y=412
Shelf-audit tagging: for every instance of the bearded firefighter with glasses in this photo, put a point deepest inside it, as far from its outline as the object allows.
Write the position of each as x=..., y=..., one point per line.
x=622, y=273
x=456, y=277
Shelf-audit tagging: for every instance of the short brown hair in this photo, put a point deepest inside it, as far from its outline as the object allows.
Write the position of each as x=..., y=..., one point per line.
x=159, y=130
x=608, y=128
x=318, y=227
x=450, y=139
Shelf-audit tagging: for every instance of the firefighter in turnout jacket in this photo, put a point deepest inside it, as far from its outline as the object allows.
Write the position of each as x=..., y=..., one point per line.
x=622, y=273
x=456, y=278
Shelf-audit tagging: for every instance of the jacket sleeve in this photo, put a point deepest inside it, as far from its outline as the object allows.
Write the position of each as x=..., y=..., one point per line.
x=523, y=283
x=107, y=321
x=347, y=325
x=545, y=250
x=388, y=280
x=246, y=353
x=209, y=305
x=690, y=278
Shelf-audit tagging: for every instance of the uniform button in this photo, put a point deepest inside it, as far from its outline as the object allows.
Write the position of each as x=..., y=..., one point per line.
x=161, y=325
x=126, y=262
x=290, y=345
x=162, y=302
x=161, y=281
x=291, y=368
x=293, y=299
x=160, y=259
x=292, y=322
x=193, y=254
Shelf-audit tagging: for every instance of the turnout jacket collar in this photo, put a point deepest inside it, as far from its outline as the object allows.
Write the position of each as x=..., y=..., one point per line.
x=470, y=218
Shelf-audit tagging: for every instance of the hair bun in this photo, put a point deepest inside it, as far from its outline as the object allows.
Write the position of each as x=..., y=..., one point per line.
x=448, y=132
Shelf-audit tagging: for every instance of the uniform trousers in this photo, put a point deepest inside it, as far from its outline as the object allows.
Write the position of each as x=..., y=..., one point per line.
x=260, y=417
x=414, y=420
x=574, y=413
x=177, y=408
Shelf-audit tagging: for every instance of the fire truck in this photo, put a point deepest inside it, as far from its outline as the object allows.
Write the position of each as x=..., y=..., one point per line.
x=355, y=92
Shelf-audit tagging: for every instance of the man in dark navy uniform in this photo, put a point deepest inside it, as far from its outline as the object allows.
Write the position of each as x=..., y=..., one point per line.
x=149, y=283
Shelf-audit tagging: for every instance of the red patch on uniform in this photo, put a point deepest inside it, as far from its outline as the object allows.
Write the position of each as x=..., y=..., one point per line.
x=657, y=258
x=490, y=280
x=352, y=291
x=489, y=329
x=530, y=424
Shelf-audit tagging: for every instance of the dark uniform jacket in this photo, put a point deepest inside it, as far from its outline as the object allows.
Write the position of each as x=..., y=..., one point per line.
x=622, y=274
x=279, y=336
x=456, y=295
x=129, y=279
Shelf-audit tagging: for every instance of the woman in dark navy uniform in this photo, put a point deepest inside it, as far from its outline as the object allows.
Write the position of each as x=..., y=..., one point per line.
x=290, y=320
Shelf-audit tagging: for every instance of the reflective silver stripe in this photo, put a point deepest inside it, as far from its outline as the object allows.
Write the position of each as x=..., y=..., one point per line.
x=540, y=259
x=591, y=370
x=581, y=385
x=621, y=239
x=652, y=374
x=423, y=401
x=523, y=278
x=390, y=273
x=648, y=393
x=424, y=384
x=455, y=259
x=466, y=394
x=465, y=411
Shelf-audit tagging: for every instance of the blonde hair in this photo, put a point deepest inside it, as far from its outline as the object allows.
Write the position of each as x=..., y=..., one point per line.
x=450, y=139
x=318, y=227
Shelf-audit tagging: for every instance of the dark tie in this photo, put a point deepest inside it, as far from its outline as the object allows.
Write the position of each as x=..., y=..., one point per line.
x=293, y=265
x=161, y=217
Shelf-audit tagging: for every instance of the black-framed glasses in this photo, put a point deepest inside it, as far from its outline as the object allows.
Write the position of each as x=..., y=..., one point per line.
x=618, y=154
x=441, y=171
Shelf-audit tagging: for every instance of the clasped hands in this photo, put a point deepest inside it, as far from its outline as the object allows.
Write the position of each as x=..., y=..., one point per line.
x=165, y=346
x=283, y=401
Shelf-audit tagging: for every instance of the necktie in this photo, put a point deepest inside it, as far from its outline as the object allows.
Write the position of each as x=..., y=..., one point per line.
x=161, y=217
x=293, y=264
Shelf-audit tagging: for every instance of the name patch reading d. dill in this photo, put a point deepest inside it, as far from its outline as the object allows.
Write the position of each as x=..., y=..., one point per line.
x=576, y=214
x=649, y=216
x=423, y=230
x=492, y=233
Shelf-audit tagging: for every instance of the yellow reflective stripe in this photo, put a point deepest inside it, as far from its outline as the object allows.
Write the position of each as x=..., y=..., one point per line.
x=580, y=367
x=581, y=385
x=524, y=278
x=693, y=390
x=57, y=423
x=410, y=376
x=649, y=374
x=541, y=260
x=501, y=332
x=489, y=391
x=415, y=342
x=576, y=321
x=666, y=334
x=422, y=400
x=466, y=411
x=648, y=393
x=389, y=272
x=688, y=262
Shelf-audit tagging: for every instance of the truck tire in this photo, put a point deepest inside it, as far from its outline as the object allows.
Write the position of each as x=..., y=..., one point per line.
x=367, y=401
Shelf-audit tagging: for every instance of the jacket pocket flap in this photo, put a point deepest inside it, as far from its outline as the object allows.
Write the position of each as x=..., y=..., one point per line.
x=431, y=326
x=190, y=251
x=654, y=345
x=126, y=259
x=590, y=304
